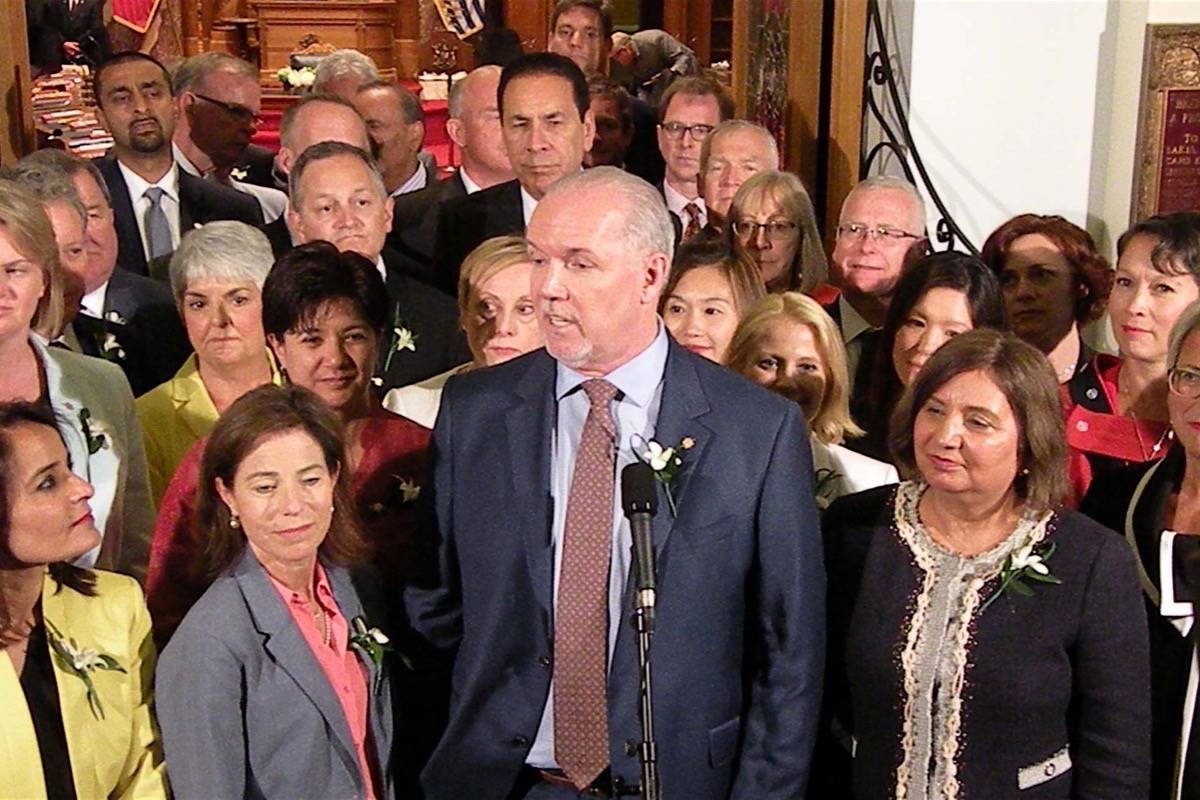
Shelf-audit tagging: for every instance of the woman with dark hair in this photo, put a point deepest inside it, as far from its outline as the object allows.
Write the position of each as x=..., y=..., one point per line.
x=941, y=296
x=1054, y=283
x=273, y=685
x=1118, y=412
x=324, y=314
x=983, y=641
x=708, y=291
x=75, y=686
x=1157, y=506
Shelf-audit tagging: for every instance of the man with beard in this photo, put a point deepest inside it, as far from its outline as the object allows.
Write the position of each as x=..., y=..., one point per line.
x=154, y=201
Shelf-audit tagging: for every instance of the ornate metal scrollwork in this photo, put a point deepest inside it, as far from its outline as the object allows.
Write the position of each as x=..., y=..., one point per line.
x=898, y=140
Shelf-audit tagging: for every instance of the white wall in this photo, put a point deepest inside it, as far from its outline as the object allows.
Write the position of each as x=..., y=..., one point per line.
x=1002, y=105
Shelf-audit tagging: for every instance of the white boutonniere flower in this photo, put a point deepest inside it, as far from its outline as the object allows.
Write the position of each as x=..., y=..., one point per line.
x=115, y=318
x=405, y=339
x=237, y=174
x=371, y=642
x=664, y=462
x=409, y=491
x=81, y=662
x=1027, y=562
x=96, y=439
x=111, y=349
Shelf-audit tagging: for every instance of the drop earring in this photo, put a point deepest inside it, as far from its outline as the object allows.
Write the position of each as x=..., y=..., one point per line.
x=234, y=522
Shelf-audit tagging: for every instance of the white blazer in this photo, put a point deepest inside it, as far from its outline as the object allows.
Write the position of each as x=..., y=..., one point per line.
x=107, y=451
x=840, y=471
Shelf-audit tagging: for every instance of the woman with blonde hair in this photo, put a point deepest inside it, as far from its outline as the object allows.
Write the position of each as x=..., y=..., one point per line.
x=788, y=344
x=771, y=219
x=89, y=396
x=495, y=310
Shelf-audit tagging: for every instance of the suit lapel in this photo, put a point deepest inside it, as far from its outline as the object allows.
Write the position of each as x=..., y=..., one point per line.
x=129, y=236
x=529, y=424
x=683, y=404
x=508, y=216
x=188, y=200
x=287, y=648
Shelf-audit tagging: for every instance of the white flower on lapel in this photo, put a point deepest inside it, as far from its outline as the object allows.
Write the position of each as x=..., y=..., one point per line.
x=657, y=457
x=111, y=349
x=663, y=461
x=115, y=318
x=237, y=174
x=81, y=662
x=409, y=491
x=405, y=340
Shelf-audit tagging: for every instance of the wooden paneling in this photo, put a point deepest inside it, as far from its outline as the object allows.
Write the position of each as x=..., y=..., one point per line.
x=15, y=84
x=531, y=20
x=847, y=61
x=365, y=25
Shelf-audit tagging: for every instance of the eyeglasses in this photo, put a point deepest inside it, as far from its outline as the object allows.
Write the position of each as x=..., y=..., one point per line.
x=857, y=231
x=238, y=112
x=776, y=230
x=1184, y=382
x=676, y=130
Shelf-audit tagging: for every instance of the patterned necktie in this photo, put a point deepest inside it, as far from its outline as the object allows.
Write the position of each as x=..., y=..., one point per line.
x=581, y=613
x=693, y=220
x=158, y=230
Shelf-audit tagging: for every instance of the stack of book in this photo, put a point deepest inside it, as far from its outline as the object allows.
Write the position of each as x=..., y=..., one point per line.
x=64, y=113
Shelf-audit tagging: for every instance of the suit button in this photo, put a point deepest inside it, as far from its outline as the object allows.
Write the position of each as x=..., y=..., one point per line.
x=545, y=661
x=631, y=747
x=1081, y=426
x=520, y=741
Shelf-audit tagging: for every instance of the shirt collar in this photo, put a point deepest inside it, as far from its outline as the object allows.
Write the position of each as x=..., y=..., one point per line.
x=184, y=162
x=528, y=204
x=323, y=592
x=471, y=186
x=92, y=303
x=853, y=323
x=676, y=201
x=636, y=379
x=169, y=182
x=381, y=266
x=415, y=181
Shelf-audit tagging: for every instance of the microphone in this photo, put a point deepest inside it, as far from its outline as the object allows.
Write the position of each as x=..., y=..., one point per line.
x=639, y=500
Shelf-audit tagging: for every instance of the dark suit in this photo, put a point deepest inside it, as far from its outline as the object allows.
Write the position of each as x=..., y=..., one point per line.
x=414, y=225
x=1064, y=667
x=200, y=201
x=53, y=22
x=432, y=318
x=739, y=641
x=259, y=165
x=278, y=235
x=467, y=222
x=147, y=330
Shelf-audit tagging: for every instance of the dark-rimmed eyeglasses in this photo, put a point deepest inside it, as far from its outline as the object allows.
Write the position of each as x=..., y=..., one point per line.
x=779, y=230
x=234, y=110
x=676, y=130
x=857, y=231
x=1184, y=382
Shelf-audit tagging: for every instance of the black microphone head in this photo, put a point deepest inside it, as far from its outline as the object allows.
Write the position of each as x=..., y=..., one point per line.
x=638, y=494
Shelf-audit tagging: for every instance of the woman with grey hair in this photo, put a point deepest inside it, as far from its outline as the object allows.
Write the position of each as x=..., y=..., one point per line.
x=216, y=276
x=1157, y=506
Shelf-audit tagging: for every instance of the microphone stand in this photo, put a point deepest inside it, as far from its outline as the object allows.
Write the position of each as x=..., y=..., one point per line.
x=648, y=749
x=639, y=499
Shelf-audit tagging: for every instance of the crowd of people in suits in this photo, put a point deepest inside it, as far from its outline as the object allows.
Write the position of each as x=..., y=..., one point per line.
x=309, y=462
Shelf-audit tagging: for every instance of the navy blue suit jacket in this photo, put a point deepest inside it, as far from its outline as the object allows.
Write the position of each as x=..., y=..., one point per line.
x=739, y=643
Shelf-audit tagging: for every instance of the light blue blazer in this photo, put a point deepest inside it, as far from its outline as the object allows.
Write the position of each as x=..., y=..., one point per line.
x=244, y=707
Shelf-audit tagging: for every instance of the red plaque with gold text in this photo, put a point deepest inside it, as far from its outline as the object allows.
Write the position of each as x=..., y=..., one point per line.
x=1179, y=167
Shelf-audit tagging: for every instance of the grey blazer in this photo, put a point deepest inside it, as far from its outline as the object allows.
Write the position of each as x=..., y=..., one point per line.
x=244, y=707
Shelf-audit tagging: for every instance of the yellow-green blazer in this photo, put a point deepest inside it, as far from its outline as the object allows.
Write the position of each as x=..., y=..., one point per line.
x=119, y=756
x=174, y=416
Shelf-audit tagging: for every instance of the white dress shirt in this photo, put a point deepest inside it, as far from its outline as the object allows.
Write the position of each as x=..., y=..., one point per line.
x=137, y=186
x=676, y=203
x=92, y=303
x=471, y=186
x=528, y=204
x=416, y=182
x=272, y=201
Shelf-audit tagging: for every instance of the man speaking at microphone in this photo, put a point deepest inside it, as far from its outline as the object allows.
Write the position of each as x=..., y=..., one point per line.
x=525, y=563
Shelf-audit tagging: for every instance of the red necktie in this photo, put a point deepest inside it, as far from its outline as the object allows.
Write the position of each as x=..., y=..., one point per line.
x=581, y=613
x=693, y=220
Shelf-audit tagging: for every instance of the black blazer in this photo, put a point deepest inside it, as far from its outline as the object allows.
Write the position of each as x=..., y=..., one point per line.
x=259, y=164
x=466, y=222
x=414, y=225
x=200, y=201
x=149, y=340
x=432, y=319
x=1064, y=667
x=53, y=22
x=278, y=235
x=1109, y=499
